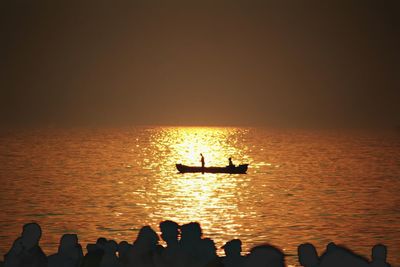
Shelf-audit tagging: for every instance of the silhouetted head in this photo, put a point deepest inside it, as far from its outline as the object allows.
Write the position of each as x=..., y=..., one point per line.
x=69, y=245
x=233, y=247
x=69, y=240
x=31, y=233
x=147, y=238
x=308, y=256
x=169, y=231
x=379, y=253
x=331, y=247
x=266, y=255
x=191, y=231
x=101, y=242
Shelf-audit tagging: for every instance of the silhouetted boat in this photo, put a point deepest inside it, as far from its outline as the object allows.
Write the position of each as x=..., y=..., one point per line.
x=228, y=169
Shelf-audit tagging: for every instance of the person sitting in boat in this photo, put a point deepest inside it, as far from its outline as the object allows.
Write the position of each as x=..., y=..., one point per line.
x=231, y=163
x=202, y=160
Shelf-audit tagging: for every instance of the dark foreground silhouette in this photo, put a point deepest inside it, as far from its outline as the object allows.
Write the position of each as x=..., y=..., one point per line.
x=186, y=247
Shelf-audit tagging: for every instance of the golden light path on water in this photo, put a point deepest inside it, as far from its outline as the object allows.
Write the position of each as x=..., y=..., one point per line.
x=206, y=198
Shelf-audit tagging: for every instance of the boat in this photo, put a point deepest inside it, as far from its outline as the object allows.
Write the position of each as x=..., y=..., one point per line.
x=228, y=169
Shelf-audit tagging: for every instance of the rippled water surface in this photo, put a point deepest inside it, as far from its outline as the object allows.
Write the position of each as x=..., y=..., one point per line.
x=301, y=185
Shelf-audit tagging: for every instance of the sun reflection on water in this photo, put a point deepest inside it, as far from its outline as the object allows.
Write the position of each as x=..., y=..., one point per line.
x=184, y=144
x=207, y=198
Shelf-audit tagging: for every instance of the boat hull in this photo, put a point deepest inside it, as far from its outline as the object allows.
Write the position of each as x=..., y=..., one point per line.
x=241, y=169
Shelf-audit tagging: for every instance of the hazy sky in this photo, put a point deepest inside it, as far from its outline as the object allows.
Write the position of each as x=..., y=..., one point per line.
x=272, y=63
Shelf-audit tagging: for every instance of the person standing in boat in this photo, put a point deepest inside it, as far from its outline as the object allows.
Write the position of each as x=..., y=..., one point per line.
x=202, y=160
x=231, y=163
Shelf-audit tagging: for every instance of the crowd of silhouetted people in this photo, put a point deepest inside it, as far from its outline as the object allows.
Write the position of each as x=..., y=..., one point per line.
x=185, y=247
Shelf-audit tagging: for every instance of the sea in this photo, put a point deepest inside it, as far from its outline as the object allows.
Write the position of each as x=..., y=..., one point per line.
x=316, y=186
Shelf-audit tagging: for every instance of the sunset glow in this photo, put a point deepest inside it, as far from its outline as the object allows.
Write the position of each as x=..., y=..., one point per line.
x=196, y=195
x=273, y=122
